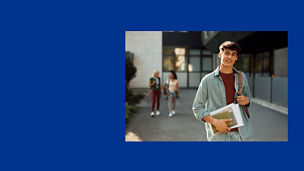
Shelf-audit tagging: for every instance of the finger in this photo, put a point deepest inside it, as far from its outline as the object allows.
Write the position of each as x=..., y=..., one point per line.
x=240, y=97
x=222, y=131
x=239, y=100
x=227, y=120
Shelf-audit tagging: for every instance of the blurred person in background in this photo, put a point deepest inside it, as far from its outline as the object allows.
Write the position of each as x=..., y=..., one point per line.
x=165, y=91
x=155, y=85
x=172, y=92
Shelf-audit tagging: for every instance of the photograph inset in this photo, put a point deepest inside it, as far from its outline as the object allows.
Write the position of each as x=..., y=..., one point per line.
x=169, y=93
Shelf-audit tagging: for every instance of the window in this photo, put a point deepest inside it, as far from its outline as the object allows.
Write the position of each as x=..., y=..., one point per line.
x=206, y=52
x=207, y=64
x=180, y=63
x=180, y=59
x=262, y=64
x=194, y=60
x=168, y=51
x=174, y=59
x=243, y=63
x=195, y=52
x=168, y=63
x=194, y=64
x=190, y=64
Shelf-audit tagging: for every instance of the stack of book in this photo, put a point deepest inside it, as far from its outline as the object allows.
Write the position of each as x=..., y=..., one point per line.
x=231, y=111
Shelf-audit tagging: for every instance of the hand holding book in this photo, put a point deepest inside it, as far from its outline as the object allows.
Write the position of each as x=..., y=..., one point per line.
x=225, y=118
x=221, y=125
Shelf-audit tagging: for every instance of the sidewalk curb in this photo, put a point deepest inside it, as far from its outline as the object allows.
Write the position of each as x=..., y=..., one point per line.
x=281, y=109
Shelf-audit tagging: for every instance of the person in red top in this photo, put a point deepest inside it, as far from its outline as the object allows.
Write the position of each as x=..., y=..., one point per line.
x=228, y=56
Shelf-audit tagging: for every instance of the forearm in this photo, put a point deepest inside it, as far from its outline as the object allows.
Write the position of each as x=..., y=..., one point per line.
x=199, y=104
x=209, y=119
x=151, y=83
x=167, y=88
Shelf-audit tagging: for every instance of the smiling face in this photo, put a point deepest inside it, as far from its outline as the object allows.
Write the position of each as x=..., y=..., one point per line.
x=228, y=57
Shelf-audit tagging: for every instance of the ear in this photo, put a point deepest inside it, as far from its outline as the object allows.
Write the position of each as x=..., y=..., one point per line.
x=220, y=55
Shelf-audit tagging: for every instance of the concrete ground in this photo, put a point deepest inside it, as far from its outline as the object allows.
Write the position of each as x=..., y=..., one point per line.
x=268, y=125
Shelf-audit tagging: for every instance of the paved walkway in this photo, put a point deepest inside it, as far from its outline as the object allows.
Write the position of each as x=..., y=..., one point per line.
x=268, y=125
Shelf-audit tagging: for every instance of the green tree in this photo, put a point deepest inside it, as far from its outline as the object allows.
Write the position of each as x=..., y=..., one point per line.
x=130, y=69
x=131, y=98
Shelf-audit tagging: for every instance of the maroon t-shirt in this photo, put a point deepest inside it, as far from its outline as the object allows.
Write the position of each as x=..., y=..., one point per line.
x=228, y=80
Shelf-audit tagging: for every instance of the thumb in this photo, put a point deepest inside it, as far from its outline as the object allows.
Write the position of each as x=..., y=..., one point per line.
x=228, y=120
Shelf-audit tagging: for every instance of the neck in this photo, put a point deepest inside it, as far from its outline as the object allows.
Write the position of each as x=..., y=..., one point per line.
x=226, y=70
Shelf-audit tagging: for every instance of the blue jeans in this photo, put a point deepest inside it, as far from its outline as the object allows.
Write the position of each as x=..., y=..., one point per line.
x=230, y=136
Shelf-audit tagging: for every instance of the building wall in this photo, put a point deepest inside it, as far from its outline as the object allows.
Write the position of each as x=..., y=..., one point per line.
x=280, y=80
x=147, y=49
x=281, y=62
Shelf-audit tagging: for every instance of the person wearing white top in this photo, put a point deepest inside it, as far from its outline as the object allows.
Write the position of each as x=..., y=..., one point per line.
x=172, y=92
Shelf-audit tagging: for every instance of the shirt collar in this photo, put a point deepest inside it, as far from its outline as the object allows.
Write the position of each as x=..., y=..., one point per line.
x=217, y=71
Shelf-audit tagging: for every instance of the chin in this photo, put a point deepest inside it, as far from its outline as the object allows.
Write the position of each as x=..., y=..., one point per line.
x=228, y=65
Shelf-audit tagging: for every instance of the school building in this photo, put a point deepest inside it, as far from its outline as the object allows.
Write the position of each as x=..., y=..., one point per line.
x=193, y=54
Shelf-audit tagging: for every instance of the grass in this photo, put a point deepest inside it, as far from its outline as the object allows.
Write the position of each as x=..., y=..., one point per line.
x=129, y=110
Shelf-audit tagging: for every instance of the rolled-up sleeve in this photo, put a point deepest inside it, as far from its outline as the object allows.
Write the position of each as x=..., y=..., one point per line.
x=199, y=104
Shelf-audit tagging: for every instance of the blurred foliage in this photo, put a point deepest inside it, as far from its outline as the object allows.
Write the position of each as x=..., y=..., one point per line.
x=129, y=110
x=130, y=70
x=131, y=99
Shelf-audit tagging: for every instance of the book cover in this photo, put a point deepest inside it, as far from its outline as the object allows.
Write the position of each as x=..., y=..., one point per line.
x=231, y=111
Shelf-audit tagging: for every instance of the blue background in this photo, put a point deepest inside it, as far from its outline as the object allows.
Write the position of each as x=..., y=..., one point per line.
x=62, y=84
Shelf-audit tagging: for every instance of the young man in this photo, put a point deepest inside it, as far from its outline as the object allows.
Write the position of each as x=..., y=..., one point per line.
x=219, y=89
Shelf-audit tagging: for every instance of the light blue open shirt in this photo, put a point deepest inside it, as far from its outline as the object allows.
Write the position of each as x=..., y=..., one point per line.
x=211, y=96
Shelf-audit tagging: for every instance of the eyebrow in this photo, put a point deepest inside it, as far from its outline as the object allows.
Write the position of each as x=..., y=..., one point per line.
x=230, y=51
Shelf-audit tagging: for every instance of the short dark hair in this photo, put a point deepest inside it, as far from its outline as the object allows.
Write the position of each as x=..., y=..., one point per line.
x=230, y=45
